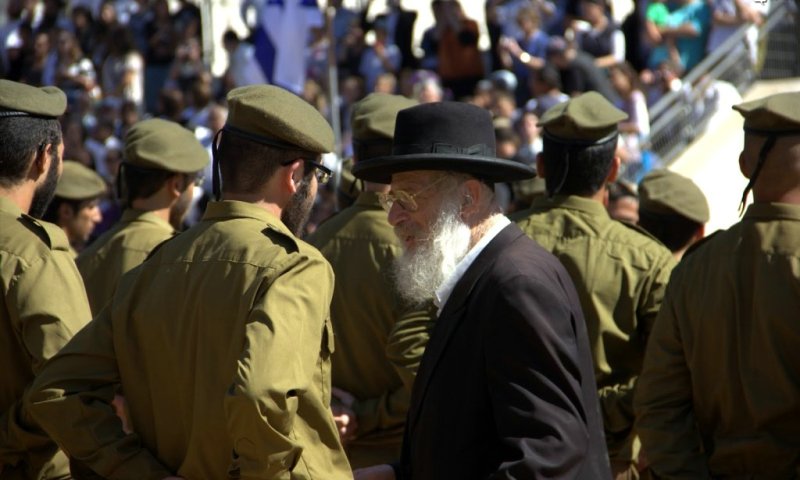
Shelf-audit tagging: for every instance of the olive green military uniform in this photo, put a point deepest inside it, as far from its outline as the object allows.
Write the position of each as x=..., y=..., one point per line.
x=719, y=393
x=42, y=305
x=619, y=271
x=126, y=245
x=152, y=144
x=221, y=342
x=377, y=348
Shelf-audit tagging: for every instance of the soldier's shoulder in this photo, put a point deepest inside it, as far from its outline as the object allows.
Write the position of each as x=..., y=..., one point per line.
x=30, y=236
x=707, y=240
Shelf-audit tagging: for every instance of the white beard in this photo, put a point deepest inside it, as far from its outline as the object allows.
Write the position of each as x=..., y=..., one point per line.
x=419, y=273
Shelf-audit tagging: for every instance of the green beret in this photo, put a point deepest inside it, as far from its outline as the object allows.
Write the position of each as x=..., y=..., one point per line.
x=79, y=183
x=588, y=118
x=779, y=113
x=374, y=116
x=274, y=116
x=20, y=100
x=666, y=192
x=164, y=145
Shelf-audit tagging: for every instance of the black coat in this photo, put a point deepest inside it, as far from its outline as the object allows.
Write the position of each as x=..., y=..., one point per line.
x=506, y=387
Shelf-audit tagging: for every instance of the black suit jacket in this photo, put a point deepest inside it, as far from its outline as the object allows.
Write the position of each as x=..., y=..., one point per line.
x=506, y=387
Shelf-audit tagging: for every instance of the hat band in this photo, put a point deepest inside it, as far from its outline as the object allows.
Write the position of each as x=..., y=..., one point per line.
x=769, y=133
x=480, y=149
x=272, y=142
x=578, y=142
x=11, y=113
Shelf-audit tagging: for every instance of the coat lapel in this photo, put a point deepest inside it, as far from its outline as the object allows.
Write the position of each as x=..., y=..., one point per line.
x=452, y=314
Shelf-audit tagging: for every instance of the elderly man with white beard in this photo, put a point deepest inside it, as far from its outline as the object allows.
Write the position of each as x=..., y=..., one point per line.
x=506, y=387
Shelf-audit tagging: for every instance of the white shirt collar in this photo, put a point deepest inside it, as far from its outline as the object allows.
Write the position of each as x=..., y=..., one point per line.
x=446, y=288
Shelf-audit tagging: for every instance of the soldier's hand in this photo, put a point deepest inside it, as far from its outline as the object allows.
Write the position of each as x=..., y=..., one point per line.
x=346, y=422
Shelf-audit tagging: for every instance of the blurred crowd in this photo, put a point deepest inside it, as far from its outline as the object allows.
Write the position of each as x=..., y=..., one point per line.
x=120, y=61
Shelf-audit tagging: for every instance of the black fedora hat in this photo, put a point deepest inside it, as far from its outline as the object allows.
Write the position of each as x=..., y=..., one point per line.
x=452, y=136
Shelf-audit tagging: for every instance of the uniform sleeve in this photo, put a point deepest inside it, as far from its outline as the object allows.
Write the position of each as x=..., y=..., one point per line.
x=281, y=350
x=71, y=400
x=534, y=382
x=663, y=404
x=47, y=306
x=404, y=349
x=617, y=400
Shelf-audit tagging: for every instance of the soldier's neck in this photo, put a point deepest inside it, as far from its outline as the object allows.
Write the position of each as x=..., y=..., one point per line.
x=21, y=195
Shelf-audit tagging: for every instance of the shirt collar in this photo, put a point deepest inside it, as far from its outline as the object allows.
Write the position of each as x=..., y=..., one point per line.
x=773, y=211
x=443, y=292
x=134, y=215
x=9, y=206
x=368, y=199
x=572, y=202
x=227, y=209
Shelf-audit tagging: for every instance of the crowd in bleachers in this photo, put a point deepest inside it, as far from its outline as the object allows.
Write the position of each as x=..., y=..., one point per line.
x=123, y=60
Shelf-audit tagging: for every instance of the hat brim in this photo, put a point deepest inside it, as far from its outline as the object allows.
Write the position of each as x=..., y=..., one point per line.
x=381, y=169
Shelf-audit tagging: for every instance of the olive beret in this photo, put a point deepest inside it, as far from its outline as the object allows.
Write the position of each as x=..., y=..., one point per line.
x=779, y=113
x=79, y=183
x=666, y=192
x=374, y=116
x=20, y=100
x=588, y=119
x=164, y=145
x=277, y=117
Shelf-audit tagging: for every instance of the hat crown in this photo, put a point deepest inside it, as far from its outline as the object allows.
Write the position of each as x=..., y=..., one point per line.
x=429, y=128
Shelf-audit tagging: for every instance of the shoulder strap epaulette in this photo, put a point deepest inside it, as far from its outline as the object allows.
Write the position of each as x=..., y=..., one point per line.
x=280, y=237
x=52, y=235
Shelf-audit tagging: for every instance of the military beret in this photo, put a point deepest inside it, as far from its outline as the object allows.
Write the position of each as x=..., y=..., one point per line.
x=666, y=192
x=274, y=116
x=20, y=100
x=779, y=113
x=374, y=116
x=79, y=183
x=164, y=145
x=586, y=119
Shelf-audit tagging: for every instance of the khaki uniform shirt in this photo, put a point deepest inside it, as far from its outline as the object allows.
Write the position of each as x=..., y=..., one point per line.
x=378, y=345
x=620, y=274
x=42, y=305
x=719, y=393
x=221, y=343
x=126, y=245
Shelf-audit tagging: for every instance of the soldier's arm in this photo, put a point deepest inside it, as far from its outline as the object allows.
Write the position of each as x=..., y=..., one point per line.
x=616, y=401
x=46, y=306
x=280, y=353
x=663, y=404
x=71, y=399
x=404, y=348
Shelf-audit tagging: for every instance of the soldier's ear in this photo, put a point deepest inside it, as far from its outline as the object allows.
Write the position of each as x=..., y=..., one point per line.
x=292, y=176
x=614, y=170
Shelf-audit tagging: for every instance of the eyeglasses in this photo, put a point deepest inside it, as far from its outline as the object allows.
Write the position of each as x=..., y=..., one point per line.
x=404, y=199
x=322, y=172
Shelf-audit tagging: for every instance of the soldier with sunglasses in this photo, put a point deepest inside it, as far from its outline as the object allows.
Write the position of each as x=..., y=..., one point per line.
x=221, y=340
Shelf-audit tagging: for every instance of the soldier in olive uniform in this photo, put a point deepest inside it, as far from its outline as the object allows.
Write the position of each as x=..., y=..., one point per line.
x=42, y=301
x=75, y=207
x=161, y=166
x=719, y=393
x=221, y=340
x=378, y=346
x=673, y=209
x=619, y=271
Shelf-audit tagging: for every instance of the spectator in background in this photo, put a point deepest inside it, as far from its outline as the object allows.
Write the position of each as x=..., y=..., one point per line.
x=83, y=26
x=33, y=71
x=427, y=89
x=122, y=75
x=601, y=37
x=688, y=25
x=242, y=69
x=102, y=33
x=74, y=138
x=400, y=30
x=75, y=206
x=171, y=104
x=578, y=71
x=656, y=18
x=452, y=44
x=665, y=79
x=673, y=209
x=635, y=129
x=526, y=53
x=17, y=13
x=727, y=16
x=530, y=139
x=162, y=39
x=386, y=83
x=70, y=70
x=546, y=90
x=379, y=58
x=187, y=66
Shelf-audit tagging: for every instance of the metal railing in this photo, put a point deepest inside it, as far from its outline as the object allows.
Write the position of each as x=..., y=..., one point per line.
x=680, y=116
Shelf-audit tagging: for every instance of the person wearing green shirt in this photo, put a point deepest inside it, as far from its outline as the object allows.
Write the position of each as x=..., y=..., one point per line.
x=718, y=396
x=221, y=341
x=42, y=300
x=619, y=271
x=379, y=342
x=161, y=166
